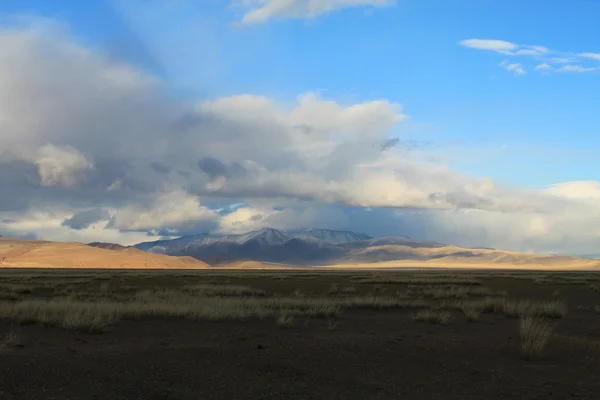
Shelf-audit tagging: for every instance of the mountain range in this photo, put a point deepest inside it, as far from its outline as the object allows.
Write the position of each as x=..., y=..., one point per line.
x=273, y=249
x=324, y=247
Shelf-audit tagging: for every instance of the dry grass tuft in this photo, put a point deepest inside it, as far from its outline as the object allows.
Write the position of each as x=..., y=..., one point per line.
x=418, y=280
x=380, y=302
x=64, y=313
x=551, y=308
x=432, y=316
x=198, y=302
x=535, y=333
x=94, y=316
x=223, y=290
x=348, y=290
x=511, y=308
x=471, y=311
x=14, y=291
x=335, y=289
x=453, y=291
x=285, y=320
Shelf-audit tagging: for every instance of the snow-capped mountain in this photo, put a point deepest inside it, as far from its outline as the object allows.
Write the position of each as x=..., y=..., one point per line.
x=265, y=244
x=311, y=247
x=300, y=247
x=265, y=236
x=328, y=235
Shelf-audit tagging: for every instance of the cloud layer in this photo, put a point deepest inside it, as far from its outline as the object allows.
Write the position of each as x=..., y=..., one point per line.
x=541, y=58
x=95, y=149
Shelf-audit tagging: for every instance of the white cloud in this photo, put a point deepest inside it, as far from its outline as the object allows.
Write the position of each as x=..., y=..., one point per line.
x=64, y=166
x=47, y=225
x=593, y=56
x=561, y=60
x=574, y=232
x=499, y=46
x=516, y=68
x=543, y=67
x=504, y=47
x=545, y=57
x=540, y=49
x=589, y=190
x=175, y=210
x=263, y=10
x=575, y=68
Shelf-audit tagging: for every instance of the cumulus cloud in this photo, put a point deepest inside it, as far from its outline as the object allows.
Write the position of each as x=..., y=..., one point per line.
x=92, y=148
x=547, y=60
x=175, y=212
x=263, y=10
x=64, y=166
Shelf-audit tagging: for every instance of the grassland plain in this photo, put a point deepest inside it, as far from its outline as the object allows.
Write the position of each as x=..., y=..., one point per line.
x=227, y=334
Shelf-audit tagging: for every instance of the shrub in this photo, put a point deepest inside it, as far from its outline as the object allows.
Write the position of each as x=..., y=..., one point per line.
x=535, y=333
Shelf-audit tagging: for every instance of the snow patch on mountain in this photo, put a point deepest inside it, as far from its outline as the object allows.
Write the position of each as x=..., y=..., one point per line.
x=329, y=236
x=262, y=237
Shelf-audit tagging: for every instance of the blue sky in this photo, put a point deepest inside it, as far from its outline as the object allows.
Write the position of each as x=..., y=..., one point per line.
x=481, y=81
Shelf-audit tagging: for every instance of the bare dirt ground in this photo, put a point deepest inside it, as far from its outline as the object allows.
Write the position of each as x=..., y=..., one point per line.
x=295, y=335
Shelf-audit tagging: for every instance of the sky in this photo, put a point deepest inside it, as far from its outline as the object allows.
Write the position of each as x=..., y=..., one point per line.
x=469, y=122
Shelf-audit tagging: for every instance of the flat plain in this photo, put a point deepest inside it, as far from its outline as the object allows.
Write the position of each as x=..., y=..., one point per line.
x=299, y=334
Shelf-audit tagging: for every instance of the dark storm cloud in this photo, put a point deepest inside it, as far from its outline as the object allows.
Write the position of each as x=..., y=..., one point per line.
x=215, y=168
x=86, y=218
x=159, y=167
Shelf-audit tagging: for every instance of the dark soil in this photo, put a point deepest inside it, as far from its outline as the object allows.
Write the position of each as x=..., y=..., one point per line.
x=360, y=355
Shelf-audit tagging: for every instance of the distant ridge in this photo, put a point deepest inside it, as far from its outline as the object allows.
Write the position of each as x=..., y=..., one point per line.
x=325, y=247
x=108, y=246
x=24, y=253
